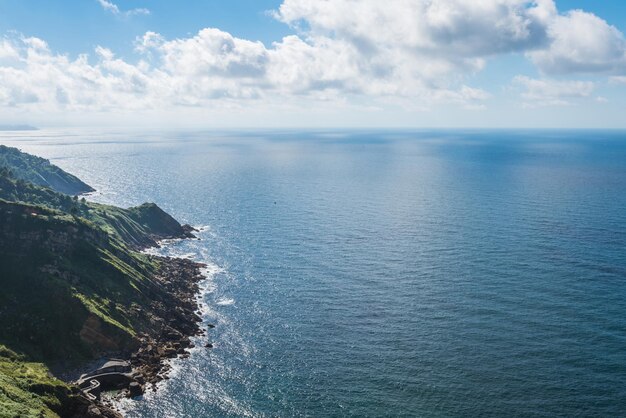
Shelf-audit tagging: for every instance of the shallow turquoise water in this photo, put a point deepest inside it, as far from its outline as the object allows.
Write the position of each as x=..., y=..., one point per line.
x=386, y=273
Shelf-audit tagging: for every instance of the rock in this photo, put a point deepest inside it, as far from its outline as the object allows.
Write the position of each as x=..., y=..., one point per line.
x=208, y=345
x=188, y=229
x=172, y=334
x=210, y=326
x=93, y=411
x=135, y=389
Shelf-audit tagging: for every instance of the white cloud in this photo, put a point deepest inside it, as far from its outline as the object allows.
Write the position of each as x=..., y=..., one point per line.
x=368, y=53
x=113, y=8
x=451, y=28
x=46, y=81
x=581, y=42
x=618, y=79
x=7, y=51
x=214, y=64
x=546, y=92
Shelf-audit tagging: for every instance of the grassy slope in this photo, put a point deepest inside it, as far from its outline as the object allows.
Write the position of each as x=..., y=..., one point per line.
x=59, y=272
x=39, y=171
x=27, y=389
x=66, y=264
x=59, y=269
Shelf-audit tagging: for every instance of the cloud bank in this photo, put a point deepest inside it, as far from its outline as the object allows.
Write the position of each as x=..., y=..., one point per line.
x=413, y=53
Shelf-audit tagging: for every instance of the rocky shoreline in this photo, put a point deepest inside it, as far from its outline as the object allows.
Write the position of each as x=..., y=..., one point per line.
x=181, y=277
x=177, y=318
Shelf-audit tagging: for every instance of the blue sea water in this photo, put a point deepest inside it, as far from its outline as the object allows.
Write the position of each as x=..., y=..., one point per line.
x=388, y=273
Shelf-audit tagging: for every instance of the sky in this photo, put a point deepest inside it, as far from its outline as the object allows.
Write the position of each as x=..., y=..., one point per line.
x=314, y=63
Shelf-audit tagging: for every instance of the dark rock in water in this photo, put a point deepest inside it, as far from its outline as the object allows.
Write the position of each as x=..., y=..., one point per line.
x=208, y=345
x=135, y=389
x=210, y=326
x=188, y=230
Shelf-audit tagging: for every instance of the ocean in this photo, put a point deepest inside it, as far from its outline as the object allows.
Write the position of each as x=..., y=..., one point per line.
x=384, y=273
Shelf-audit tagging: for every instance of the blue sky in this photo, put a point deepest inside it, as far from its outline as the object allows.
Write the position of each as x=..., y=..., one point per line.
x=313, y=63
x=77, y=26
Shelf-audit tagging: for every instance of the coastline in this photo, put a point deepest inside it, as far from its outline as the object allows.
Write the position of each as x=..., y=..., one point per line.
x=181, y=277
x=104, y=312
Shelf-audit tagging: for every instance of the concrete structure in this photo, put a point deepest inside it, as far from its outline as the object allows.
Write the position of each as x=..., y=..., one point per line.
x=113, y=374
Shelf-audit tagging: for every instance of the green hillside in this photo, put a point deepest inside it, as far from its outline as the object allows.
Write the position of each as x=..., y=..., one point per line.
x=39, y=171
x=28, y=390
x=137, y=227
x=73, y=286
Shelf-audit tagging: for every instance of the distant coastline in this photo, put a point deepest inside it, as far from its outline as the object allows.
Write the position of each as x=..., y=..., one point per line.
x=18, y=128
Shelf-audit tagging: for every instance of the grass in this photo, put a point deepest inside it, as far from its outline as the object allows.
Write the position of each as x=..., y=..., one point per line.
x=27, y=389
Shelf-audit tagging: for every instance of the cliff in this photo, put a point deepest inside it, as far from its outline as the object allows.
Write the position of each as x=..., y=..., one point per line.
x=74, y=286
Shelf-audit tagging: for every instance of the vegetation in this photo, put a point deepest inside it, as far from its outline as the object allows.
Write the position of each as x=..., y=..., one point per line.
x=39, y=171
x=27, y=389
x=73, y=283
x=137, y=227
x=58, y=270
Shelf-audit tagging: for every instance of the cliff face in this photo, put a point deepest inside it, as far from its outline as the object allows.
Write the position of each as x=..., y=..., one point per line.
x=159, y=223
x=138, y=227
x=73, y=286
x=58, y=272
